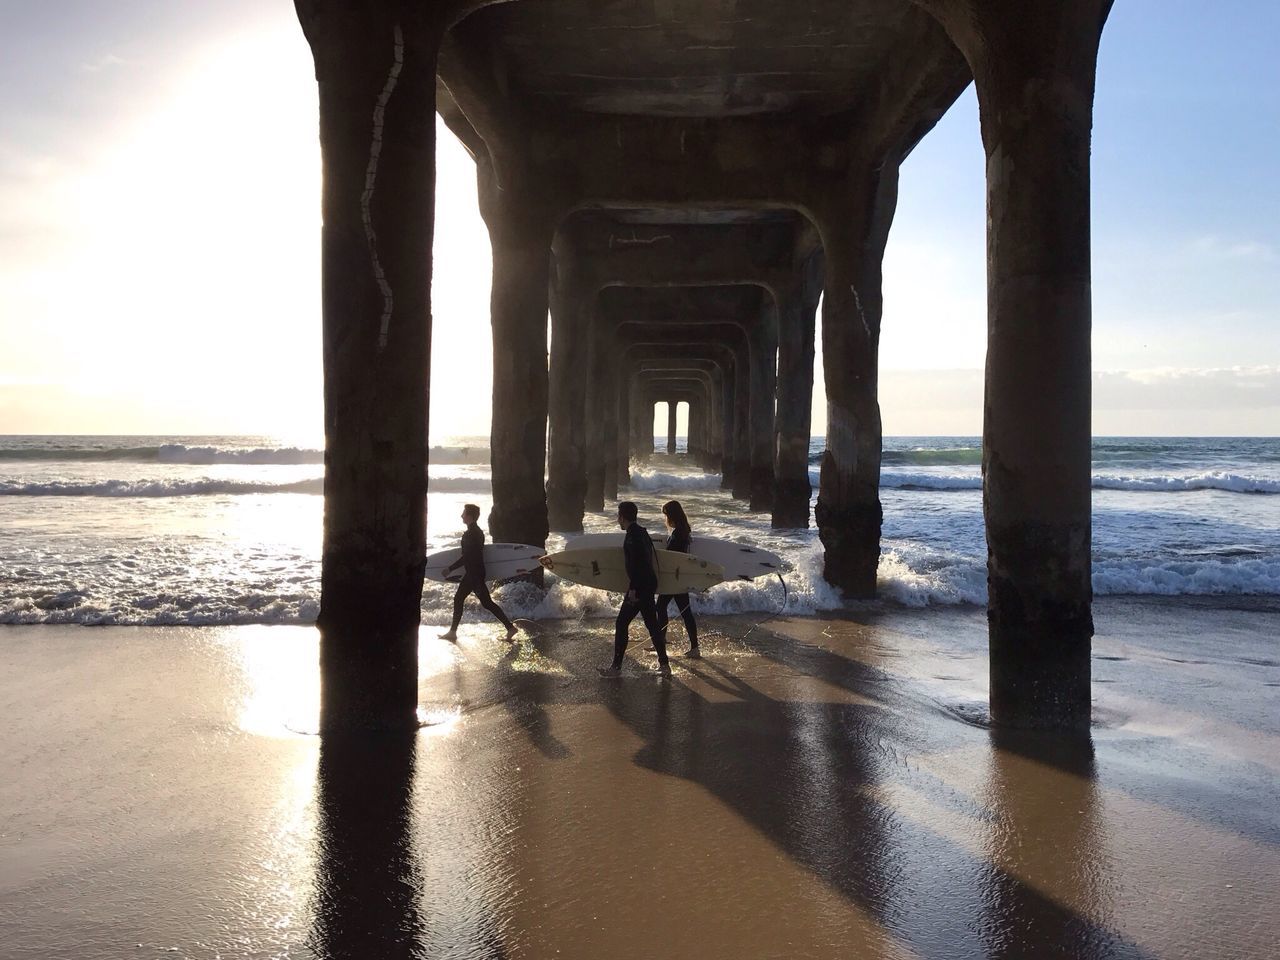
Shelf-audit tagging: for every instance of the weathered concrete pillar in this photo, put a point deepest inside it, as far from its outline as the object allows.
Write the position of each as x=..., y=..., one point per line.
x=671, y=428
x=376, y=74
x=727, y=394
x=723, y=385
x=641, y=422
x=520, y=229
x=764, y=364
x=693, y=433
x=848, y=513
x=1034, y=65
x=797, y=308
x=571, y=306
x=710, y=427
x=741, y=480
x=601, y=419
x=622, y=460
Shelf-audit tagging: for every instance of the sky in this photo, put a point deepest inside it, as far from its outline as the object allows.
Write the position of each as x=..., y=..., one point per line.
x=159, y=231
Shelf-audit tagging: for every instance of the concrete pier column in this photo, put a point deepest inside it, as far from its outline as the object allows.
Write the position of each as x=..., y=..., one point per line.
x=1034, y=66
x=727, y=395
x=693, y=440
x=718, y=424
x=764, y=364
x=376, y=73
x=601, y=420
x=520, y=230
x=711, y=423
x=622, y=447
x=797, y=309
x=609, y=487
x=848, y=511
x=741, y=480
x=708, y=428
x=671, y=428
x=571, y=305
x=641, y=422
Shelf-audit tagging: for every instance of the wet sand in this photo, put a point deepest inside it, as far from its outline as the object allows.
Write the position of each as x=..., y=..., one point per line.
x=814, y=788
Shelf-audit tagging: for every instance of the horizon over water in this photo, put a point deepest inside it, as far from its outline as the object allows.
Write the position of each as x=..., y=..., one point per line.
x=138, y=529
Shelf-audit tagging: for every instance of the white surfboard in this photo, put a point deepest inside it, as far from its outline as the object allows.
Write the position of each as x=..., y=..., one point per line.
x=606, y=570
x=501, y=562
x=740, y=562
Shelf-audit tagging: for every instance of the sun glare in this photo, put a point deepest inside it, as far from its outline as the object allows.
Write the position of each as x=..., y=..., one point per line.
x=193, y=241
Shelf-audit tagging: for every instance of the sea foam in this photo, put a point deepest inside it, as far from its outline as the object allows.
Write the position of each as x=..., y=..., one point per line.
x=959, y=580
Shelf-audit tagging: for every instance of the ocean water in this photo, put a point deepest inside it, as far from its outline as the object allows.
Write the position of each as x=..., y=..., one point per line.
x=202, y=530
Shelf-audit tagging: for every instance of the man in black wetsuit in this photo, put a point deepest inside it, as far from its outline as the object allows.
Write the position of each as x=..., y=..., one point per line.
x=642, y=575
x=472, y=563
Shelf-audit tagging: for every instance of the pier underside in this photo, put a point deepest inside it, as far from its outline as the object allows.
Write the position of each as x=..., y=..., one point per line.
x=699, y=175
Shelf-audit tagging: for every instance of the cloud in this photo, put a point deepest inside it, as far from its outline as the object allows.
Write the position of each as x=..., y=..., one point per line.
x=1217, y=248
x=1187, y=388
x=103, y=63
x=1207, y=401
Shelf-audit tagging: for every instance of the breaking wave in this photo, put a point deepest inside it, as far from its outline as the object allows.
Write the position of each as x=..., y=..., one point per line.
x=906, y=578
x=1230, y=482
x=650, y=480
x=155, y=488
x=207, y=455
x=207, y=487
x=1235, y=483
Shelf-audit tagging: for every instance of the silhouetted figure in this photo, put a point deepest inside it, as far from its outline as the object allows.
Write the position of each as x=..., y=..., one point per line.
x=642, y=575
x=472, y=562
x=678, y=541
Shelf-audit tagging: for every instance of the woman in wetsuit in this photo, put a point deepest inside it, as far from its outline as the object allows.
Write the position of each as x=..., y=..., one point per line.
x=678, y=540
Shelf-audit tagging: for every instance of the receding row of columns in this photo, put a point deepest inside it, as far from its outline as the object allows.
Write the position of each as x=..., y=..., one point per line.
x=376, y=64
x=764, y=278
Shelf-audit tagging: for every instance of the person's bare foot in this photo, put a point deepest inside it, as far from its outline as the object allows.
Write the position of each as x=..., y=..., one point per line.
x=451, y=636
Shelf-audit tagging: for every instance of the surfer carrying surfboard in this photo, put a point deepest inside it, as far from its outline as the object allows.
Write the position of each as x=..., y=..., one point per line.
x=642, y=576
x=678, y=541
x=472, y=563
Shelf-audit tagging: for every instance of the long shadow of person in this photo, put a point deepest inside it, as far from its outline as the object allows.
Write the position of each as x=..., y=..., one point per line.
x=823, y=782
x=525, y=694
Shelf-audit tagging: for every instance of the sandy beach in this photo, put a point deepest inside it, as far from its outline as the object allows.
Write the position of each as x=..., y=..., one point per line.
x=815, y=787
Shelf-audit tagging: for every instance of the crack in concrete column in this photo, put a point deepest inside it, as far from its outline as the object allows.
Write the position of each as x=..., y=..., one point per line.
x=371, y=181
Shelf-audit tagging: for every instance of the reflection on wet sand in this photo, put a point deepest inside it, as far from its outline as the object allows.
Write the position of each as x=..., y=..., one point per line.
x=367, y=879
x=810, y=789
x=781, y=798
x=1048, y=880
